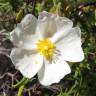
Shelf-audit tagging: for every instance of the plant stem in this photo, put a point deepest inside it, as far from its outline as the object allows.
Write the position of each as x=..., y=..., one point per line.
x=20, y=90
x=19, y=83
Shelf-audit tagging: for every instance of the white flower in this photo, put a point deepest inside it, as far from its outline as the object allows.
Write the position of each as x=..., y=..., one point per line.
x=43, y=46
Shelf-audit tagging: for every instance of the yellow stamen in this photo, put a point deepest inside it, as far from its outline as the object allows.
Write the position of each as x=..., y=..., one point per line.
x=46, y=48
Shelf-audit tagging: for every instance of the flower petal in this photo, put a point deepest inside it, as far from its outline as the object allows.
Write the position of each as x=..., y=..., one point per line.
x=46, y=24
x=25, y=35
x=50, y=24
x=29, y=63
x=70, y=46
x=63, y=25
x=53, y=73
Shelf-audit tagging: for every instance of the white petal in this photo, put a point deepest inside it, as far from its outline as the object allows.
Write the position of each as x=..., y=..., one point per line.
x=50, y=25
x=29, y=63
x=53, y=73
x=63, y=27
x=25, y=34
x=70, y=46
x=29, y=24
x=46, y=24
x=54, y=26
x=15, y=34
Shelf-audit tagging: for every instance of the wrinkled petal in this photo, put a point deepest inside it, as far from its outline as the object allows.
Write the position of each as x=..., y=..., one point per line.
x=54, y=72
x=46, y=24
x=29, y=63
x=50, y=24
x=70, y=46
x=63, y=25
x=29, y=24
x=15, y=34
x=25, y=35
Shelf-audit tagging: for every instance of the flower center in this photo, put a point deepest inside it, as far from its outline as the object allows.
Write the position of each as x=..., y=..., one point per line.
x=46, y=48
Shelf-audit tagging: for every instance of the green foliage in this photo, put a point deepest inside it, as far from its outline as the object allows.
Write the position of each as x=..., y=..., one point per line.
x=82, y=80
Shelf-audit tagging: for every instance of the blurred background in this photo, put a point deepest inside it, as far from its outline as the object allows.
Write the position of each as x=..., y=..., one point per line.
x=82, y=80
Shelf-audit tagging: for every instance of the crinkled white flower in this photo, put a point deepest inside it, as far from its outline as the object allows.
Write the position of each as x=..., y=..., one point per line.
x=43, y=46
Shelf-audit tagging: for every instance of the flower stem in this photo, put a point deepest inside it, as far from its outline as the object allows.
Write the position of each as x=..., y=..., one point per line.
x=20, y=83
x=20, y=90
